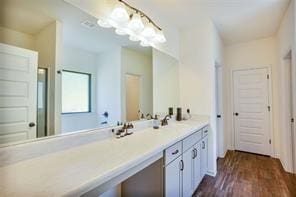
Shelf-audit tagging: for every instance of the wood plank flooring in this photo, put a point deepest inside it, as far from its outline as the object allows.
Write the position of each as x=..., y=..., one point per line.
x=248, y=175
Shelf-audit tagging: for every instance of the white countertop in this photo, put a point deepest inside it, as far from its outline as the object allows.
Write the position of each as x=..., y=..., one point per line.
x=77, y=169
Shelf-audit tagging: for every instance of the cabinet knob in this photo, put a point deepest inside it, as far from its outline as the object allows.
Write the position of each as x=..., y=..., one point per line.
x=175, y=152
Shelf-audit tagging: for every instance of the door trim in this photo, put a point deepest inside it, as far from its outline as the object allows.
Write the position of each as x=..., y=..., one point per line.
x=271, y=128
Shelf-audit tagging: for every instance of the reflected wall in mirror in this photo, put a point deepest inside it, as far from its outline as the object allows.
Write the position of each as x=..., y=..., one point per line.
x=61, y=72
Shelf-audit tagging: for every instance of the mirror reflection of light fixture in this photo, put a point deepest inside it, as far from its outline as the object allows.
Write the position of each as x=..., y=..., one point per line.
x=120, y=31
x=134, y=38
x=104, y=23
x=128, y=20
x=145, y=43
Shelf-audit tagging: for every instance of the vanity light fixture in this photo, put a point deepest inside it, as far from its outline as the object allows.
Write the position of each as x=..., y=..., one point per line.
x=119, y=13
x=128, y=20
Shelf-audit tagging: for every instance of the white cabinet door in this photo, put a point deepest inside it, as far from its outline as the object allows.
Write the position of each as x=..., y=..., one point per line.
x=187, y=172
x=197, y=167
x=18, y=93
x=204, y=156
x=173, y=178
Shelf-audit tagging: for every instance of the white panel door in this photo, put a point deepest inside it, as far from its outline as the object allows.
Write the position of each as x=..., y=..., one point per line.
x=251, y=118
x=187, y=172
x=18, y=79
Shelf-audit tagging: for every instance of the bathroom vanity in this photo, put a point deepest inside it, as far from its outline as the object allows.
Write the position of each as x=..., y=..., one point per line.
x=87, y=164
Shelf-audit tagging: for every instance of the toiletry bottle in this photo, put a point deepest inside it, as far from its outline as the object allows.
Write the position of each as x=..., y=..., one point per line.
x=155, y=122
x=179, y=114
x=171, y=111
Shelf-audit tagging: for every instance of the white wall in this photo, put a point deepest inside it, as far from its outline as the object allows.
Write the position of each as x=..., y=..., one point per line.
x=140, y=64
x=286, y=40
x=200, y=48
x=109, y=84
x=86, y=62
x=256, y=53
x=166, y=85
x=15, y=38
x=172, y=46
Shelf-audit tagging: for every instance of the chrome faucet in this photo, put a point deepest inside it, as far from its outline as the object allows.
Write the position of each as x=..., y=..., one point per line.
x=164, y=121
x=149, y=116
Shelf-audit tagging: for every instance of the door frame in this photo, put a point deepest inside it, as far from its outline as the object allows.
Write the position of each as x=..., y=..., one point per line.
x=291, y=56
x=293, y=69
x=270, y=102
x=219, y=109
x=47, y=100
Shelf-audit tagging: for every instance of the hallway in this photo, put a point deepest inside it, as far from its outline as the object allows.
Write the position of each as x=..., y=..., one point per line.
x=245, y=174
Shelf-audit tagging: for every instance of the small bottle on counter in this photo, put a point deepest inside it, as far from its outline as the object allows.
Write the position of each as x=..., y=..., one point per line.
x=156, y=122
x=179, y=114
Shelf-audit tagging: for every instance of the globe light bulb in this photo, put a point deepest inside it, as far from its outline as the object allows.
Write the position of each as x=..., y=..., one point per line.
x=149, y=31
x=136, y=23
x=159, y=37
x=119, y=13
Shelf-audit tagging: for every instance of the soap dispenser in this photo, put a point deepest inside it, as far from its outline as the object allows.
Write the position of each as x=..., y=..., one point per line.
x=156, y=122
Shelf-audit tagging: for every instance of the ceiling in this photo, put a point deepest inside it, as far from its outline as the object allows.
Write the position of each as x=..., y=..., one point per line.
x=31, y=16
x=236, y=20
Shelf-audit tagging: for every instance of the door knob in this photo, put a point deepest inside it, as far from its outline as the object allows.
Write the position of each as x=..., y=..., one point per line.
x=32, y=124
x=219, y=116
x=236, y=114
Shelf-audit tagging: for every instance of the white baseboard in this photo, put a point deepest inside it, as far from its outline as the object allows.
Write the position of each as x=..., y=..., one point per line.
x=211, y=173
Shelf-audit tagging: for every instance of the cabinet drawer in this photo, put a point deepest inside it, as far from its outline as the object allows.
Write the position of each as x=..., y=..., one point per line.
x=191, y=140
x=173, y=152
x=205, y=131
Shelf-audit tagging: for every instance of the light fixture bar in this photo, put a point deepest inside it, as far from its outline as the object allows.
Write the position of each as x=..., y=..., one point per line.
x=141, y=13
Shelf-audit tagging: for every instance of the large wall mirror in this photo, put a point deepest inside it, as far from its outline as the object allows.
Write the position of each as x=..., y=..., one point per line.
x=85, y=77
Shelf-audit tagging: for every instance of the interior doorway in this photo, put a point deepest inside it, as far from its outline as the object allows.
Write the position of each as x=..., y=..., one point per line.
x=42, y=89
x=132, y=96
x=219, y=110
x=289, y=74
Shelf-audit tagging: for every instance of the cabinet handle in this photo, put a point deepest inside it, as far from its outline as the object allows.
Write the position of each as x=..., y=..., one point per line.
x=175, y=152
x=203, y=145
x=193, y=154
x=205, y=131
x=181, y=165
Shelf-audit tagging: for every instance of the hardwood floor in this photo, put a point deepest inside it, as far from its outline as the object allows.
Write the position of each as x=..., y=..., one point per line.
x=244, y=174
